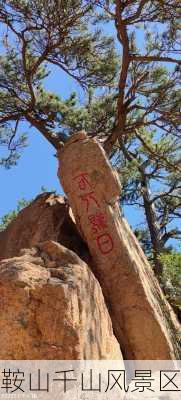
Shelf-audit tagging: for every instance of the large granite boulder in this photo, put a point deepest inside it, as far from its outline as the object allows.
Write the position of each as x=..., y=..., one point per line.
x=52, y=307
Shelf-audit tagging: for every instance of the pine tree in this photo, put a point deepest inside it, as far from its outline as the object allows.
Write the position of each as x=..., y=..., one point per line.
x=135, y=115
x=37, y=34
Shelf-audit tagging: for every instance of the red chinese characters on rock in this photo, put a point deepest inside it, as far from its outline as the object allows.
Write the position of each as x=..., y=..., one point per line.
x=89, y=198
x=99, y=223
x=82, y=181
x=105, y=243
x=97, y=220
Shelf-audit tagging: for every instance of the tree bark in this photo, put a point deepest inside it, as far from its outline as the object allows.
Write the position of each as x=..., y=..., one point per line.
x=154, y=230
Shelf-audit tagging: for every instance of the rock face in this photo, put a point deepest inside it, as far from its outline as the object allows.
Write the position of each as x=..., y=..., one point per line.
x=46, y=294
x=52, y=307
x=136, y=304
x=47, y=218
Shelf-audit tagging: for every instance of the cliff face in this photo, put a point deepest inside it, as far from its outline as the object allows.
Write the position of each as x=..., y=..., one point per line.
x=52, y=306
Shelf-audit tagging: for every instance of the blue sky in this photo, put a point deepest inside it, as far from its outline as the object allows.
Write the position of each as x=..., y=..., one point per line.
x=37, y=166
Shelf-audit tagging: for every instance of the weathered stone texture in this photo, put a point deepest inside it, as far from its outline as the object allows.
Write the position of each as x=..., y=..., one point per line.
x=136, y=304
x=48, y=217
x=52, y=307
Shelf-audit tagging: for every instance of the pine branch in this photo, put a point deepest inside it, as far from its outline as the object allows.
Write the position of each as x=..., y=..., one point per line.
x=148, y=59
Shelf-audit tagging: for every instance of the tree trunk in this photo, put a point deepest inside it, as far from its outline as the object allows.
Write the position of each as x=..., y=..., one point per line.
x=154, y=230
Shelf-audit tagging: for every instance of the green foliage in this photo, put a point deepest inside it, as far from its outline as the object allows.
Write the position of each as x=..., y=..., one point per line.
x=96, y=115
x=8, y=218
x=40, y=33
x=135, y=94
x=15, y=146
x=148, y=171
x=143, y=237
x=172, y=267
x=22, y=203
x=172, y=276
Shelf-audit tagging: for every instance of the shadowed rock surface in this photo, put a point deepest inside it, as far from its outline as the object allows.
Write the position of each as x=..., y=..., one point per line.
x=48, y=217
